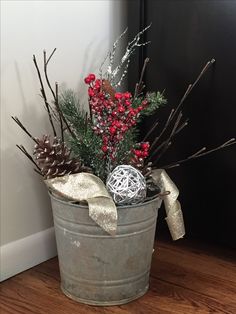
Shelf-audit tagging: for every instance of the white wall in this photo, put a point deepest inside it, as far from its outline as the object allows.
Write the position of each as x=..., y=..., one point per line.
x=82, y=32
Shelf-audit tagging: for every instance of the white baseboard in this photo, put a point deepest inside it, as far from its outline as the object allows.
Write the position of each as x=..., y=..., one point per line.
x=25, y=253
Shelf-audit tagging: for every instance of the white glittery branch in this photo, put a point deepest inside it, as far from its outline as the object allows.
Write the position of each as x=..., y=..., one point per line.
x=113, y=51
x=128, y=52
x=111, y=54
x=102, y=64
x=123, y=74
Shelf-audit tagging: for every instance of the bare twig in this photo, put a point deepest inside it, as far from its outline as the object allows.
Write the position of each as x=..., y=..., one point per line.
x=183, y=125
x=191, y=86
x=163, y=130
x=162, y=148
x=54, y=112
x=24, y=151
x=59, y=113
x=51, y=55
x=200, y=153
x=187, y=92
x=177, y=122
x=46, y=73
x=159, y=148
x=54, y=94
x=65, y=121
x=38, y=172
x=24, y=129
x=44, y=95
x=150, y=131
x=139, y=85
x=154, y=126
x=203, y=149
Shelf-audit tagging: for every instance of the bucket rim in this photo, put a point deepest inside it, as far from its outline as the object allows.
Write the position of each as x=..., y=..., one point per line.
x=68, y=202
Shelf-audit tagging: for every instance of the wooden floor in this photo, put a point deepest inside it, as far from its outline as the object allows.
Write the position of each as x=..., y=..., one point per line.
x=185, y=278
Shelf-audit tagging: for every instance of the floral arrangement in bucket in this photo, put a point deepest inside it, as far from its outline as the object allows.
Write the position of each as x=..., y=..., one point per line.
x=102, y=141
x=95, y=157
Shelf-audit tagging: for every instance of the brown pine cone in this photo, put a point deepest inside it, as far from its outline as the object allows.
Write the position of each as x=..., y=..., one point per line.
x=54, y=158
x=106, y=85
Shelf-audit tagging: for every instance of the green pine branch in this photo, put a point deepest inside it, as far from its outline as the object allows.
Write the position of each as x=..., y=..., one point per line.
x=87, y=145
x=125, y=146
x=155, y=101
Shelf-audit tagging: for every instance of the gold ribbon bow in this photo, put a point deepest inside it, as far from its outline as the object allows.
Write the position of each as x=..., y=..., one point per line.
x=87, y=187
x=174, y=219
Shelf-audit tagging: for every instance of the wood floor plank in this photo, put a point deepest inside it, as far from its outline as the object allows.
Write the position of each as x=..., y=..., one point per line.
x=184, y=280
x=167, y=298
x=197, y=272
x=200, y=261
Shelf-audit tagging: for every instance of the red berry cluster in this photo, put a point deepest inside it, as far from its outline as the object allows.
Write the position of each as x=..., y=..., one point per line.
x=140, y=153
x=112, y=116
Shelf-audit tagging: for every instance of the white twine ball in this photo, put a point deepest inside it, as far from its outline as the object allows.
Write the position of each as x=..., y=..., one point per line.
x=126, y=185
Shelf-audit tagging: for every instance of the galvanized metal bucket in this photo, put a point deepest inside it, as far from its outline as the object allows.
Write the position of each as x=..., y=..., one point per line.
x=99, y=269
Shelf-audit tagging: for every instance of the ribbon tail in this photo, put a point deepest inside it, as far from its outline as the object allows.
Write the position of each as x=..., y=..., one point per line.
x=103, y=211
x=174, y=219
x=89, y=188
x=175, y=222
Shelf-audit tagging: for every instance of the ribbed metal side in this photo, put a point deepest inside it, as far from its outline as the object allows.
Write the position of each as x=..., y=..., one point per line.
x=99, y=269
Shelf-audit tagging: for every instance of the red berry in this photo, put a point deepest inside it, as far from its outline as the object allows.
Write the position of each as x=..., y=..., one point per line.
x=144, y=102
x=97, y=84
x=124, y=128
x=101, y=96
x=127, y=95
x=91, y=77
x=104, y=148
x=91, y=92
x=127, y=103
x=117, y=124
x=145, y=154
x=105, y=139
x=112, y=130
x=132, y=112
x=87, y=80
x=138, y=153
x=145, y=146
x=118, y=96
x=121, y=109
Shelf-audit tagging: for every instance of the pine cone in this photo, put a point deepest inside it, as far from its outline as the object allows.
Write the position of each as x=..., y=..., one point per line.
x=54, y=158
x=108, y=89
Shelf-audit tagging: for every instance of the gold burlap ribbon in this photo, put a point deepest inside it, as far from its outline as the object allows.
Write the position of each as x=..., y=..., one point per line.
x=87, y=187
x=174, y=213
